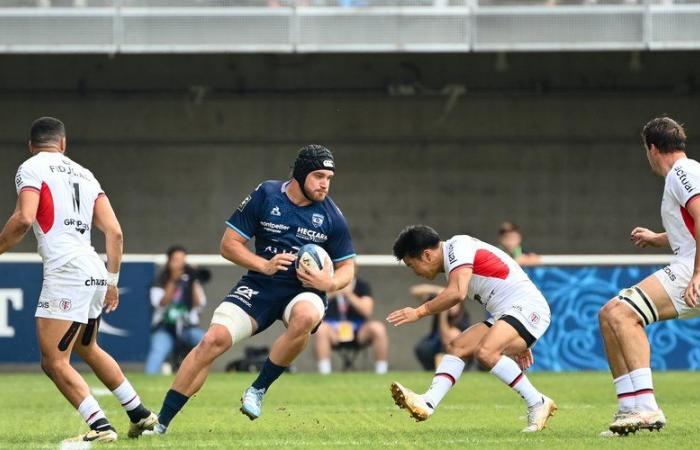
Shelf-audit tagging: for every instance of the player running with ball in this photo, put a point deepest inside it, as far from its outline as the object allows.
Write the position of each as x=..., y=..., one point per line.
x=519, y=317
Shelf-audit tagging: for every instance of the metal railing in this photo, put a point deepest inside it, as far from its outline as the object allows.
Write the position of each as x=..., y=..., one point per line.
x=214, y=26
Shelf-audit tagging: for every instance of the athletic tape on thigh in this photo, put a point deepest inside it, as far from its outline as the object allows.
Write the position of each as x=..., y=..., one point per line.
x=92, y=326
x=310, y=297
x=68, y=337
x=640, y=303
x=236, y=321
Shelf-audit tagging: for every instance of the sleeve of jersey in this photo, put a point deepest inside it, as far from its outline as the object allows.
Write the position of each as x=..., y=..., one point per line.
x=686, y=188
x=27, y=178
x=460, y=254
x=244, y=219
x=339, y=244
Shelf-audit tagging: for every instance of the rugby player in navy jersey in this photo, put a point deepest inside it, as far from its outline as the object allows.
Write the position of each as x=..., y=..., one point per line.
x=281, y=216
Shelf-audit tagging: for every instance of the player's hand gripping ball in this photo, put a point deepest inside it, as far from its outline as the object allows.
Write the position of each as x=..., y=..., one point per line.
x=312, y=257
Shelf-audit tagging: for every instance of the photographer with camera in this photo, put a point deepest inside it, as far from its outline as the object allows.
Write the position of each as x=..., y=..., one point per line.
x=177, y=298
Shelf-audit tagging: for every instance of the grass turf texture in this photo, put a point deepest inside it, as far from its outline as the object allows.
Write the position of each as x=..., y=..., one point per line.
x=354, y=410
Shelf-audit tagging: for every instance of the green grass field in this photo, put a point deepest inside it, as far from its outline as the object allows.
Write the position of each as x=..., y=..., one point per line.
x=355, y=410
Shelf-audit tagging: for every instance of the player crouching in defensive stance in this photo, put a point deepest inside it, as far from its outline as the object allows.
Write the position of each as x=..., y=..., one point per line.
x=519, y=316
x=669, y=293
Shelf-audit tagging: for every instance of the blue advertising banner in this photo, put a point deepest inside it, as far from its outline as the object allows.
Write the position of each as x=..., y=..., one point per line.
x=573, y=341
x=125, y=333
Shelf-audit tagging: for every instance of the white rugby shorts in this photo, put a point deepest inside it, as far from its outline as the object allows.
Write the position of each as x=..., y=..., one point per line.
x=75, y=291
x=675, y=278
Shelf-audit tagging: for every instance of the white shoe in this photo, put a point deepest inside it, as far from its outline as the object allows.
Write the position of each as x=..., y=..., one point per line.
x=538, y=415
x=639, y=420
x=108, y=435
x=145, y=424
x=414, y=403
x=619, y=415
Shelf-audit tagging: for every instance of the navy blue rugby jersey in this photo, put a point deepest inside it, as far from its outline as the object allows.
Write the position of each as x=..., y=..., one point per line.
x=280, y=226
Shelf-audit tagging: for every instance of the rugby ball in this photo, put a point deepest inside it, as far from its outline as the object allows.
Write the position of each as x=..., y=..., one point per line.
x=312, y=256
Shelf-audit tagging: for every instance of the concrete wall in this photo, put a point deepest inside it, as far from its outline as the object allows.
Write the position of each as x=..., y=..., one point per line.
x=547, y=140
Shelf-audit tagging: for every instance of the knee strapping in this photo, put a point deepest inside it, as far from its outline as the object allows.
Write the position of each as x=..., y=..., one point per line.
x=236, y=321
x=640, y=303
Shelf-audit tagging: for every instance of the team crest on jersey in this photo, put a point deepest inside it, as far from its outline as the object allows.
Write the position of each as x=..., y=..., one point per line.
x=276, y=211
x=317, y=220
x=534, y=318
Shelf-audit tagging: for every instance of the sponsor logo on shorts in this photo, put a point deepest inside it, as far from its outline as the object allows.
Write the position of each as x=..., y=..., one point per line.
x=64, y=304
x=534, y=318
x=43, y=304
x=669, y=273
x=96, y=282
x=244, y=294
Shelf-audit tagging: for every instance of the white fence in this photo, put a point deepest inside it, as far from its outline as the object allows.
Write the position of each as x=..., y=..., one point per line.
x=125, y=27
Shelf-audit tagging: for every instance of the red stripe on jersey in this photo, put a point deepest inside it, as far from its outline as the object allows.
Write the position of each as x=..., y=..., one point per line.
x=487, y=264
x=30, y=188
x=689, y=221
x=45, y=212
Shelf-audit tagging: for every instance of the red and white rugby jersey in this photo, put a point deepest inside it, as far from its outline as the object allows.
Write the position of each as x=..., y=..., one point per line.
x=67, y=193
x=682, y=187
x=497, y=280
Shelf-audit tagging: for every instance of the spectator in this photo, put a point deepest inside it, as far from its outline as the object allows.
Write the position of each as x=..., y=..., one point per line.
x=446, y=327
x=177, y=297
x=511, y=241
x=347, y=322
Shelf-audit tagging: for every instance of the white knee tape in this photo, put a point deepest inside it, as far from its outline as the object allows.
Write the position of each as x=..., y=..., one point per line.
x=310, y=297
x=640, y=303
x=236, y=321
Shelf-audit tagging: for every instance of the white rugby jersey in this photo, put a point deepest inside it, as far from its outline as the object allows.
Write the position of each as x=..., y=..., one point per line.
x=682, y=186
x=497, y=280
x=67, y=193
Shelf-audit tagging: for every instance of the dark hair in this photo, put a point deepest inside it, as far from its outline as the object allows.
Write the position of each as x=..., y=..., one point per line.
x=507, y=227
x=46, y=130
x=665, y=134
x=413, y=240
x=173, y=249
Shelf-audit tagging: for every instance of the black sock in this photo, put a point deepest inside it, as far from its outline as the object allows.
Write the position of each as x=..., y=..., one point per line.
x=268, y=374
x=100, y=425
x=138, y=413
x=173, y=403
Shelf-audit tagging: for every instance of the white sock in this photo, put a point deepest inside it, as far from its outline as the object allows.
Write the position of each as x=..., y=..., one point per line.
x=324, y=366
x=381, y=367
x=446, y=375
x=127, y=396
x=509, y=372
x=625, y=392
x=643, y=390
x=90, y=410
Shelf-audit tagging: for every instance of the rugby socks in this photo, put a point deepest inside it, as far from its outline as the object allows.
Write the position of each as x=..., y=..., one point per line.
x=172, y=404
x=644, y=399
x=93, y=415
x=446, y=375
x=268, y=374
x=509, y=372
x=381, y=367
x=625, y=393
x=324, y=366
x=130, y=401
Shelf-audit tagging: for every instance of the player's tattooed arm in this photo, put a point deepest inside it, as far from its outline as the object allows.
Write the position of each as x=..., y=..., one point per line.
x=20, y=221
